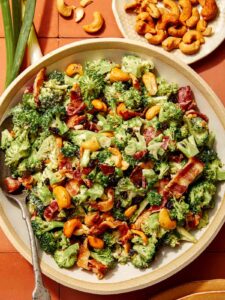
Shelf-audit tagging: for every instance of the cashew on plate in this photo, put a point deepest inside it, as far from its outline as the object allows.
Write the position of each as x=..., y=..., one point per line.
x=96, y=24
x=181, y=24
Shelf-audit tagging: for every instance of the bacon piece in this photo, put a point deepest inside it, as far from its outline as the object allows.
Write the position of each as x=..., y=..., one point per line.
x=91, y=126
x=103, y=226
x=88, y=182
x=27, y=181
x=161, y=185
x=125, y=233
x=76, y=105
x=176, y=158
x=180, y=182
x=65, y=166
x=197, y=114
x=140, y=154
x=73, y=187
x=136, y=176
x=186, y=98
x=38, y=82
x=165, y=142
x=86, y=170
x=192, y=220
x=77, y=174
x=75, y=120
x=12, y=184
x=98, y=268
x=150, y=133
x=83, y=256
x=92, y=218
x=51, y=211
x=140, y=219
x=106, y=169
x=129, y=114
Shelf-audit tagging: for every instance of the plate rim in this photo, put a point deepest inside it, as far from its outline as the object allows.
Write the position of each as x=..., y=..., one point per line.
x=189, y=255
x=192, y=61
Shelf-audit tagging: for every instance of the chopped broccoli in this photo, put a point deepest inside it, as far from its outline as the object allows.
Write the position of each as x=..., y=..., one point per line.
x=201, y=196
x=6, y=139
x=150, y=226
x=207, y=155
x=102, y=179
x=151, y=177
x=155, y=147
x=58, y=126
x=118, y=214
x=82, y=196
x=188, y=147
x=57, y=76
x=62, y=241
x=131, y=98
x=103, y=155
x=43, y=193
x=163, y=169
x=85, y=159
x=136, y=66
x=180, y=210
x=35, y=205
x=51, y=94
x=170, y=112
x=48, y=242
x=172, y=239
x=120, y=254
x=104, y=256
x=154, y=198
x=184, y=133
x=144, y=255
x=186, y=235
x=69, y=149
x=165, y=88
x=98, y=67
x=175, y=166
x=96, y=191
x=112, y=93
x=66, y=258
x=40, y=226
x=110, y=239
x=199, y=129
x=213, y=171
x=204, y=221
x=138, y=212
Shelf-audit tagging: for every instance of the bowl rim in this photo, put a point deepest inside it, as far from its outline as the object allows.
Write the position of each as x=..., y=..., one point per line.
x=189, y=255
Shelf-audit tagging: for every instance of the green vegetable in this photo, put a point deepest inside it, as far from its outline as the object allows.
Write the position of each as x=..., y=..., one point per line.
x=172, y=239
x=40, y=227
x=66, y=258
x=165, y=88
x=213, y=171
x=180, y=210
x=199, y=129
x=104, y=256
x=170, y=112
x=110, y=239
x=150, y=226
x=186, y=235
x=69, y=149
x=151, y=177
x=131, y=98
x=6, y=139
x=144, y=255
x=136, y=66
x=188, y=147
x=85, y=159
x=16, y=13
x=163, y=169
x=141, y=208
x=154, y=198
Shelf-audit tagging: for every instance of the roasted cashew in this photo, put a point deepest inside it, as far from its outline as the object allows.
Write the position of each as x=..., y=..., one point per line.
x=171, y=43
x=190, y=49
x=150, y=83
x=79, y=14
x=209, y=10
x=208, y=31
x=166, y=20
x=193, y=35
x=132, y=7
x=172, y=6
x=84, y=3
x=157, y=38
x=153, y=11
x=144, y=24
x=96, y=24
x=117, y=74
x=63, y=9
x=193, y=20
x=186, y=10
x=177, y=31
x=194, y=2
x=202, y=27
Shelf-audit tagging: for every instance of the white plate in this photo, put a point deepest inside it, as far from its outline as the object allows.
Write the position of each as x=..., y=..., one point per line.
x=168, y=261
x=126, y=23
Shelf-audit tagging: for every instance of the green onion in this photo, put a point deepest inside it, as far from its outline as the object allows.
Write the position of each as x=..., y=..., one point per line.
x=9, y=39
x=23, y=37
x=16, y=12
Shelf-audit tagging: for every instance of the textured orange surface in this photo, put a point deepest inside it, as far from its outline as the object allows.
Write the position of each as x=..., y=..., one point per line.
x=15, y=272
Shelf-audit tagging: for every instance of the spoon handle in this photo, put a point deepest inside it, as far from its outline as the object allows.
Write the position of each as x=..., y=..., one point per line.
x=40, y=292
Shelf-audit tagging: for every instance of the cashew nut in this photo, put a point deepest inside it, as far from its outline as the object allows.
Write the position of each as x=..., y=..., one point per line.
x=193, y=20
x=208, y=31
x=132, y=7
x=96, y=24
x=165, y=20
x=99, y=105
x=152, y=112
x=130, y=211
x=150, y=83
x=153, y=11
x=91, y=144
x=84, y=3
x=141, y=234
x=79, y=14
x=177, y=31
x=190, y=49
x=171, y=43
x=202, y=27
x=165, y=221
x=144, y=24
x=73, y=69
x=172, y=6
x=186, y=10
x=117, y=74
x=63, y=9
x=201, y=2
x=193, y=35
x=209, y=10
x=157, y=38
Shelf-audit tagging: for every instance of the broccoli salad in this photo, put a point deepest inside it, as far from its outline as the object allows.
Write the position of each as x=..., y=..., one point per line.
x=116, y=161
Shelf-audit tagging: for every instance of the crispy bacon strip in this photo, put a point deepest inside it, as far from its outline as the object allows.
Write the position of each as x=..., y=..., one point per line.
x=91, y=219
x=98, y=268
x=186, y=98
x=103, y=226
x=76, y=105
x=38, y=82
x=27, y=181
x=12, y=184
x=180, y=182
x=125, y=233
x=83, y=256
x=73, y=187
x=51, y=211
x=197, y=114
x=140, y=154
x=106, y=169
x=75, y=120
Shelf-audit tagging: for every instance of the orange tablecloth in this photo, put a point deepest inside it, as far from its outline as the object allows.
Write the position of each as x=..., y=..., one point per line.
x=16, y=275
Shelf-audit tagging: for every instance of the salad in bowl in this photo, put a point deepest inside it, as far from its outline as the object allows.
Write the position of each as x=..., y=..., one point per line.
x=117, y=162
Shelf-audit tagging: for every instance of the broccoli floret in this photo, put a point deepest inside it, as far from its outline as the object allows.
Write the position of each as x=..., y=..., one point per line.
x=40, y=226
x=175, y=166
x=180, y=210
x=150, y=225
x=201, y=196
x=28, y=100
x=131, y=98
x=185, y=235
x=163, y=169
x=199, y=129
x=188, y=147
x=62, y=241
x=136, y=66
x=204, y=221
x=110, y=239
x=151, y=177
x=172, y=239
x=154, y=198
x=184, y=133
x=118, y=214
x=155, y=147
x=98, y=67
x=43, y=193
x=19, y=148
x=103, y=156
x=144, y=255
x=6, y=139
x=69, y=149
x=102, y=179
x=51, y=94
x=66, y=258
x=130, y=160
x=48, y=242
x=170, y=112
x=165, y=88
x=82, y=196
x=135, y=145
x=172, y=132
x=35, y=204
x=112, y=93
x=141, y=208
x=85, y=159
x=104, y=256
x=58, y=126
x=213, y=172
x=57, y=76
x=120, y=254
x=207, y=155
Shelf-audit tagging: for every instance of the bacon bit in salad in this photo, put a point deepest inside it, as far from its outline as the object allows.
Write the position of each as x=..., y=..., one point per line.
x=83, y=256
x=161, y=185
x=195, y=113
x=76, y=120
x=73, y=187
x=180, y=182
x=27, y=181
x=103, y=226
x=92, y=218
x=38, y=82
x=76, y=105
x=150, y=133
x=140, y=154
x=51, y=211
x=106, y=169
x=192, y=220
x=186, y=98
x=98, y=268
x=12, y=184
x=91, y=126
x=136, y=176
x=165, y=142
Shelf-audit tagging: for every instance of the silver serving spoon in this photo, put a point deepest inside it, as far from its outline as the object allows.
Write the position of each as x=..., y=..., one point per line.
x=39, y=292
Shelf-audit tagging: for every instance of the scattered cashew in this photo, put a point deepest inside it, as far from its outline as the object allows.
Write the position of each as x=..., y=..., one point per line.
x=92, y=144
x=201, y=2
x=190, y=49
x=73, y=69
x=203, y=28
x=150, y=83
x=95, y=242
x=63, y=9
x=152, y=112
x=141, y=234
x=116, y=156
x=165, y=220
x=84, y=3
x=96, y=24
x=130, y=211
x=70, y=226
x=171, y=43
x=117, y=74
x=209, y=10
x=166, y=20
x=79, y=14
x=157, y=38
x=208, y=31
x=106, y=205
x=144, y=23
x=186, y=10
x=99, y=105
x=172, y=6
x=132, y=7
x=193, y=20
x=153, y=11
x=193, y=35
x=177, y=31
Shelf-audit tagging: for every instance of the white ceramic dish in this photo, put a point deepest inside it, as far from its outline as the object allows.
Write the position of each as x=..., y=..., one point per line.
x=169, y=261
x=126, y=23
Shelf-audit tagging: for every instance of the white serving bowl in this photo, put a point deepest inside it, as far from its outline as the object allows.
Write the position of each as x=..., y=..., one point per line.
x=168, y=261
